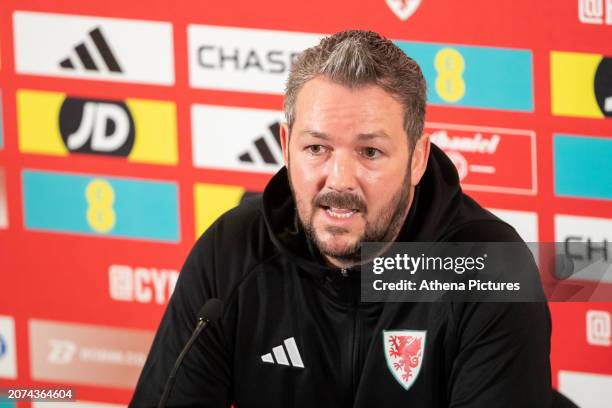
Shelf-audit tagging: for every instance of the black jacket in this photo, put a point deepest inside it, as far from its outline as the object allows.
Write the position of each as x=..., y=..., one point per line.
x=277, y=292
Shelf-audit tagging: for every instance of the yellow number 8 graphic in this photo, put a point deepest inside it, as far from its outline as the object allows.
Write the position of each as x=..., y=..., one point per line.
x=100, y=197
x=449, y=64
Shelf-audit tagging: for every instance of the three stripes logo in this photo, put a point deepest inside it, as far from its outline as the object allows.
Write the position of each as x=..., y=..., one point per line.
x=264, y=153
x=236, y=139
x=87, y=58
x=95, y=48
x=286, y=354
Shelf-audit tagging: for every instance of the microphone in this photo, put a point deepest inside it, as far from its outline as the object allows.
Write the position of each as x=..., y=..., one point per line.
x=210, y=312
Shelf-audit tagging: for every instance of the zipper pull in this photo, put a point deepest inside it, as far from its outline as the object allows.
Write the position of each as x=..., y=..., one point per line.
x=344, y=272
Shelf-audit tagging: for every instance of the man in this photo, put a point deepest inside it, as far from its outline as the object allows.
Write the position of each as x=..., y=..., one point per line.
x=294, y=332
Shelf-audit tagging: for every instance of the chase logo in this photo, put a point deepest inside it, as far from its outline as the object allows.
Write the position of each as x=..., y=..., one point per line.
x=100, y=205
x=581, y=84
x=241, y=59
x=212, y=200
x=143, y=131
x=586, y=239
x=97, y=48
x=582, y=166
x=478, y=77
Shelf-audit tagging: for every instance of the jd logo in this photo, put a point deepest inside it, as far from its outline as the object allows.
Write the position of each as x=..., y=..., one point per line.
x=96, y=127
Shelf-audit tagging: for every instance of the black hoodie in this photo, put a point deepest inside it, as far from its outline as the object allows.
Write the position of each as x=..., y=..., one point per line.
x=294, y=332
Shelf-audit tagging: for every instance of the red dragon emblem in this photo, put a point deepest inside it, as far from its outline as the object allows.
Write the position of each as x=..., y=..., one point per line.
x=404, y=354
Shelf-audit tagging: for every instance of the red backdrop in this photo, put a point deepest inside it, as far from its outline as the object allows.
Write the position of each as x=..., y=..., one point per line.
x=54, y=273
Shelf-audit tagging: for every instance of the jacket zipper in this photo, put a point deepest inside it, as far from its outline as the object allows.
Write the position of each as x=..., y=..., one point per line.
x=356, y=337
x=356, y=349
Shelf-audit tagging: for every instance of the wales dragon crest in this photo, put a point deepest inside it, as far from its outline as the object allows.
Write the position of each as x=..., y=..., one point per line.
x=404, y=350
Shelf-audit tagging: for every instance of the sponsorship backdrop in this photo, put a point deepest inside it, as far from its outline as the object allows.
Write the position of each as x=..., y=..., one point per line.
x=126, y=129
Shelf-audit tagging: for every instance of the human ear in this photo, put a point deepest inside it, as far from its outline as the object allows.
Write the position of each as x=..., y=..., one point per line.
x=420, y=156
x=284, y=139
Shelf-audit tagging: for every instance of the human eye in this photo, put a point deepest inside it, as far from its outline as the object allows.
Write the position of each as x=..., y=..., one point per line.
x=370, y=152
x=316, y=150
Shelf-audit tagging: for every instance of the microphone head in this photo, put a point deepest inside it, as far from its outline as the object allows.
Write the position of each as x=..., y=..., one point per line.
x=212, y=310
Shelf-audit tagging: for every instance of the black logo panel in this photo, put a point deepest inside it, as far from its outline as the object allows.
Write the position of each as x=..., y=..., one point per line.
x=97, y=127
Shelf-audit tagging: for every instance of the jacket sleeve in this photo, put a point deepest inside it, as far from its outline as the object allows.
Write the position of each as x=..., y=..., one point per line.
x=502, y=355
x=204, y=379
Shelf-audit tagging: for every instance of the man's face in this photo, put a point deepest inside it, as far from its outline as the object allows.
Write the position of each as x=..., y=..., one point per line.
x=349, y=166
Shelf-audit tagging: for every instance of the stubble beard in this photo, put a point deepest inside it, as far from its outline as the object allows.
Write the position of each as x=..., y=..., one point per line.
x=387, y=225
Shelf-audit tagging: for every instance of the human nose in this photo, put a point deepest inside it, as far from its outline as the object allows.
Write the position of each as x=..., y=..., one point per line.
x=341, y=176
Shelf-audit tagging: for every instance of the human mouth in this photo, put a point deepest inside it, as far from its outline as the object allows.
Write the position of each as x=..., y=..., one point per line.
x=340, y=213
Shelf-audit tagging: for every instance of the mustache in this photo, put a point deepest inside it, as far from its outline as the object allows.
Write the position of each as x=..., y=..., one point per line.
x=341, y=200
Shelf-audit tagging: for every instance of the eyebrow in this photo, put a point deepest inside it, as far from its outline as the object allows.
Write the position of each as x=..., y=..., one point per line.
x=314, y=133
x=373, y=135
x=360, y=136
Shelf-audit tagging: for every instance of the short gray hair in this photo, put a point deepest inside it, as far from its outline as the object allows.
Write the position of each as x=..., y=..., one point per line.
x=355, y=58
